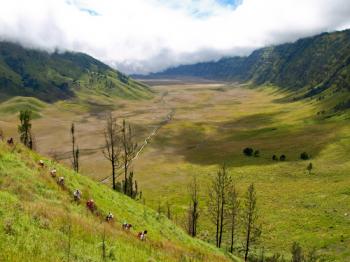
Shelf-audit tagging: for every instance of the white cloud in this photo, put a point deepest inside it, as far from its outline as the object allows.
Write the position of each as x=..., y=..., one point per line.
x=150, y=35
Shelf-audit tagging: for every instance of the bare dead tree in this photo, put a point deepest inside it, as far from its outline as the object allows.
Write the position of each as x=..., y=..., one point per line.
x=112, y=148
x=129, y=150
x=233, y=215
x=252, y=230
x=193, y=210
x=217, y=202
x=75, y=150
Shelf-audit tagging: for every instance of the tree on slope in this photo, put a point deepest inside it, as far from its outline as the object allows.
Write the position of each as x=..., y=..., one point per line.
x=252, y=230
x=233, y=215
x=217, y=202
x=112, y=148
x=25, y=128
x=193, y=210
x=129, y=147
x=132, y=189
x=75, y=150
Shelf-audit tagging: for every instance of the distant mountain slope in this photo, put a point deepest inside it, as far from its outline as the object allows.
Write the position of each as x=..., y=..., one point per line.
x=51, y=77
x=314, y=63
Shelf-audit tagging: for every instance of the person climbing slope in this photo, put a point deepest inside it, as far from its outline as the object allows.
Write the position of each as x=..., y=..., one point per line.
x=109, y=217
x=90, y=204
x=77, y=195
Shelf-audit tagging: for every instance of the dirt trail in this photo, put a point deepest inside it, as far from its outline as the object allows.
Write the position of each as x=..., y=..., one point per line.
x=165, y=121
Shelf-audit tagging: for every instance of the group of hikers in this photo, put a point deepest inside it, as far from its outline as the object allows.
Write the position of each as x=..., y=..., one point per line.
x=90, y=204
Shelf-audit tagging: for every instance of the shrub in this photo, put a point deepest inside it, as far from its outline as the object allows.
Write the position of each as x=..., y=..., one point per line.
x=248, y=151
x=282, y=158
x=304, y=156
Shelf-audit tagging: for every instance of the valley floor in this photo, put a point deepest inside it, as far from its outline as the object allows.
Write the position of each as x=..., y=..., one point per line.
x=210, y=124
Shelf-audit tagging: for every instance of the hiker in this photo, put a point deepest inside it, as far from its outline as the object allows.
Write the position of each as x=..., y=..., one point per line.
x=109, y=217
x=77, y=195
x=10, y=141
x=142, y=235
x=90, y=204
x=41, y=163
x=126, y=226
x=53, y=172
x=60, y=181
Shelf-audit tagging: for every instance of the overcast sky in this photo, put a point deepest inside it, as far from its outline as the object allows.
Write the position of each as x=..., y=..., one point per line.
x=140, y=36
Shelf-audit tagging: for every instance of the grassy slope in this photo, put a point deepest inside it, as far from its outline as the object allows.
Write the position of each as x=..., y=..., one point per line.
x=212, y=124
x=58, y=76
x=36, y=214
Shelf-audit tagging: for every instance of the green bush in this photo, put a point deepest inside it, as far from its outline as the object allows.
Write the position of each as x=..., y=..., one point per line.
x=304, y=156
x=248, y=151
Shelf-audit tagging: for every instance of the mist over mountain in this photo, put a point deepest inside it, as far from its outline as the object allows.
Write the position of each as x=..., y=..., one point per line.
x=142, y=36
x=315, y=63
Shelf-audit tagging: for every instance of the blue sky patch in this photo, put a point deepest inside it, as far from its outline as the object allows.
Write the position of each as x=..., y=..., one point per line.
x=232, y=3
x=195, y=9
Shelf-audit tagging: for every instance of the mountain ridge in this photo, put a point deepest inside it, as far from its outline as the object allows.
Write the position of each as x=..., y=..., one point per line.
x=312, y=64
x=57, y=76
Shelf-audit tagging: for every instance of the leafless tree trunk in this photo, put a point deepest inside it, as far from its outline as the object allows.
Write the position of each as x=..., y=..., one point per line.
x=252, y=231
x=217, y=202
x=112, y=148
x=129, y=150
x=75, y=150
x=233, y=214
x=168, y=208
x=193, y=212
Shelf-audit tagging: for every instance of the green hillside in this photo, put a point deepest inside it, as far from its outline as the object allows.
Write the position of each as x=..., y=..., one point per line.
x=315, y=66
x=39, y=221
x=56, y=76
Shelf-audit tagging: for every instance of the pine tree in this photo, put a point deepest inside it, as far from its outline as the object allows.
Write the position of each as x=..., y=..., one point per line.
x=233, y=215
x=25, y=127
x=217, y=202
x=193, y=209
x=75, y=150
x=252, y=231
